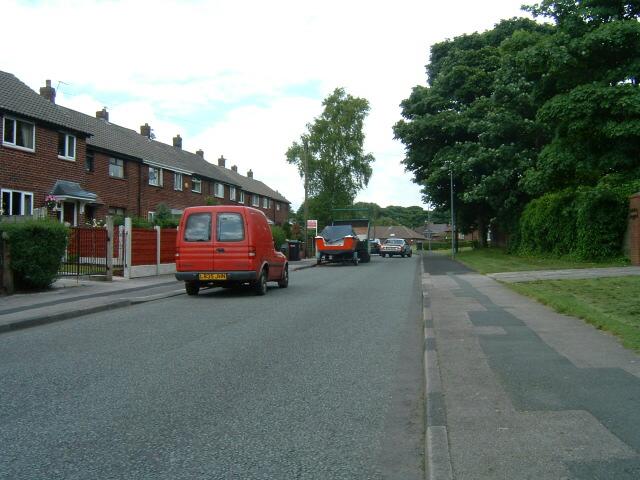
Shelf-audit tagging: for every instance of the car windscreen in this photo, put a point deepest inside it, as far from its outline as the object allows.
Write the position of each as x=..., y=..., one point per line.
x=198, y=228
x=230, y=227
x=394, y=242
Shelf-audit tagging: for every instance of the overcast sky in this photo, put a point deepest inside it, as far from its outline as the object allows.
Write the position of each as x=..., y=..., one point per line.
x=241, y=78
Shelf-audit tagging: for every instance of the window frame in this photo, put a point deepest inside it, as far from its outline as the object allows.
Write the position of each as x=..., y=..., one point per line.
x=277, y=206
x=232, y=194
x=177, y=181
x=241, y=197
x=219, y=224
x=89, y=161
x=265, y=202
x=255, y=200
x=13, y=144
x=218, y=190
x=196, y=181
x=23, y=195
x=112, y=159
x=157, y=176
x=67, y=138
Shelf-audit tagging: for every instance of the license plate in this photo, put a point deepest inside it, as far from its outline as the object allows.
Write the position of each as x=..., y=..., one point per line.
x=212, y=276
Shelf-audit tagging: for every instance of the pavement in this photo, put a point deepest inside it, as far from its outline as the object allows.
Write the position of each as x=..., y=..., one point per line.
x=71, y=297
x=515, y=390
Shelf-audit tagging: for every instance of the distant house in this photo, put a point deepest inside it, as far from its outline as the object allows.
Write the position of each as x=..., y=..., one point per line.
x=396, y=231
x=437, y=231
x=90, y=167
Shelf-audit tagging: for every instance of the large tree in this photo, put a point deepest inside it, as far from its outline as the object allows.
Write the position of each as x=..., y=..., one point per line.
x=333, y=146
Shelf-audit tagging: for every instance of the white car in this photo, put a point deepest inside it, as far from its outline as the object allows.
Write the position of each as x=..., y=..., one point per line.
x=395, y=246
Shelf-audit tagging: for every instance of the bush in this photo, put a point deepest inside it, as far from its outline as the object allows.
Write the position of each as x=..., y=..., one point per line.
x=279, y=235
x=37, y=247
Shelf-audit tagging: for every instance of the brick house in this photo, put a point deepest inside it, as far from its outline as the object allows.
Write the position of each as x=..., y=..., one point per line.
x=94, y=167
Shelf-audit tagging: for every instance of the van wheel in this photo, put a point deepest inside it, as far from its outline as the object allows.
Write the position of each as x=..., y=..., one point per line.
x=261, y=284
x=191, y=288
x=284, y=281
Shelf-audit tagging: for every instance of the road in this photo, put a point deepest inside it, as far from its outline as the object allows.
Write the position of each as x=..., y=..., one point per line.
x=322, y=380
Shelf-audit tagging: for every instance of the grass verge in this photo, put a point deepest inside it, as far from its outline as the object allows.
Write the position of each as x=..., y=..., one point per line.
x=493, y=260
x=611, y=304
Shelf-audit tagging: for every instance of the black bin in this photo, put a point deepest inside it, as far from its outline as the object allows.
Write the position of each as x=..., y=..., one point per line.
x=294, y=250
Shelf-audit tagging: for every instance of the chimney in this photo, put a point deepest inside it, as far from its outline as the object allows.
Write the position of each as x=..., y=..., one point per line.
x=234, y=168
x=177, y=141
x=250, y=174
x=200, y=153
x=103, y=114
x=48, y=92
x=145, y=130
x=222, y=161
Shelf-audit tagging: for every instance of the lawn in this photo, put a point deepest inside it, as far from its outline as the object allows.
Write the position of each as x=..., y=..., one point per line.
x=492, y=260
x=611, y=304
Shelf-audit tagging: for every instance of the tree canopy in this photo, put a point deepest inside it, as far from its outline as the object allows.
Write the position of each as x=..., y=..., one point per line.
x=527, y=108
x=337, y=165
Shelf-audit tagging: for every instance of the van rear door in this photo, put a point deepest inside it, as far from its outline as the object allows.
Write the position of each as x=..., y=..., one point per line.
x=231, y=243
x=196, y=252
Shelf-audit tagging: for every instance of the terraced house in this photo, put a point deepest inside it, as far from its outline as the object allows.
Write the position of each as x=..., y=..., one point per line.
x=90, y=167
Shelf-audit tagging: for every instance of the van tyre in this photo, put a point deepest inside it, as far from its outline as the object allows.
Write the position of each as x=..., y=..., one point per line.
x=261, y=284
x=192, y=288
x=284, y=281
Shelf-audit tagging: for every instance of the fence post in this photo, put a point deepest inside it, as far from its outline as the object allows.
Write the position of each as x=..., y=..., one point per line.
x=128, y=255
x=109, y=227
x=7, y=274
x=157, y=229
x=634, y=229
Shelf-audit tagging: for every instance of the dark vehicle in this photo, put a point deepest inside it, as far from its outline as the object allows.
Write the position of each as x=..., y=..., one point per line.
x=375, y=245
x=395, y=246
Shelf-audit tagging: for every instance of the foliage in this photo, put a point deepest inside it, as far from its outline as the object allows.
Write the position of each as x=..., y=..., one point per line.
x=210, y=200
x=587, y=223
x=141, y=222
x=279, y=236
x=336, y=164
x=164, y=218
x=36, y=249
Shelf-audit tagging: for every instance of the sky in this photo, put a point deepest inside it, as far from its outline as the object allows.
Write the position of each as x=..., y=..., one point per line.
x=242, y=78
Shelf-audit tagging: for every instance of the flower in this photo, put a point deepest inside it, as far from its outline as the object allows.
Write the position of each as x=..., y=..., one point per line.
x=50, y=201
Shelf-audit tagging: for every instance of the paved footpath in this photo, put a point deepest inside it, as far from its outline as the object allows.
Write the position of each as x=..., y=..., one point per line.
x=517, y=391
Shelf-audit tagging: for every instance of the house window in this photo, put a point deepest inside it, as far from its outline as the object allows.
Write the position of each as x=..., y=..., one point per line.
x=89, y=162
x=15, y=202
x=218, y=190
x=265, y=202
x=196, y=185
x=19, y=134
x=116, y=211
x=177, y=181
x=255, y=200
x=151, y=216
x=241, y=197
x=155, y=176
x=116, y=168
x=277, y=206
x=66, y=146
x=232, y=194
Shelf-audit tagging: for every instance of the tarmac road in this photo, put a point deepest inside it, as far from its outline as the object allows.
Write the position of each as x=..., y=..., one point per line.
x=322, y=380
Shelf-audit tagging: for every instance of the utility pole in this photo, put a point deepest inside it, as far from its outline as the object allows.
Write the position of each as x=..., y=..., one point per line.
x=305, y=163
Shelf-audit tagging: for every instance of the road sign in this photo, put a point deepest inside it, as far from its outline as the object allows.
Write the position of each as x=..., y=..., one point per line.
x=312, y=224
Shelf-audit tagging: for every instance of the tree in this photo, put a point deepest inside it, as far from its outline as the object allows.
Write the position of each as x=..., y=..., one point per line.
x=336, y=164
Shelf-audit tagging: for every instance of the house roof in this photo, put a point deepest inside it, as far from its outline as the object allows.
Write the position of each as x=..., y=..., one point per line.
x=398, y=231
x=437, y=228
x=67, y=189
x=255, y=186
x=17, y=98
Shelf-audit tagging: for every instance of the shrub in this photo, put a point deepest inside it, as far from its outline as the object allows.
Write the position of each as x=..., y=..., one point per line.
x=279, y=236
x=164, y=218
x=37, y=247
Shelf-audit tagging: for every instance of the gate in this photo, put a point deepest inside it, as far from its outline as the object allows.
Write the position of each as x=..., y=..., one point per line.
x=86, y=252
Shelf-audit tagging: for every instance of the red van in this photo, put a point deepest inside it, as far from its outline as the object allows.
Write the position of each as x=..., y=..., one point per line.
x=227, y=245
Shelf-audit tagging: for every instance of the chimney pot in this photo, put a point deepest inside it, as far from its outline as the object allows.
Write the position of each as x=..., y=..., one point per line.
x=145, y=130
x=177, y=141
x=250, y=173
x=48, y=92
x=200, y=153
x=103, y=114
x=222, y=161
x=234, y=168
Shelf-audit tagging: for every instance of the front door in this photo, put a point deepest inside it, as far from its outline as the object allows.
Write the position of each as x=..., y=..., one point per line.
x=69, y=213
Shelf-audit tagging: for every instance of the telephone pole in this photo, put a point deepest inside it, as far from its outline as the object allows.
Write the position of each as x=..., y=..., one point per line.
x=305, y=163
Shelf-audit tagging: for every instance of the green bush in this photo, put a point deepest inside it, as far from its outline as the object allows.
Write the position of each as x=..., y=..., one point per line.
x=587, y=223
x=37, y=247
x=279, y=235
x=164, y=218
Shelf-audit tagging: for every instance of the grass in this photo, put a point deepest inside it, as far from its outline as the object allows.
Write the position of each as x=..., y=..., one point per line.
x=611, y=304
x=492, y=260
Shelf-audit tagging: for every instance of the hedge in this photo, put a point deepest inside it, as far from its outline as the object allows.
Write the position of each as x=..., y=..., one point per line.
x=37, y=248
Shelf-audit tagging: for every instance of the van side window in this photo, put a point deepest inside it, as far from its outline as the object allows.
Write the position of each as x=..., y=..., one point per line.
x=198, y=227
x=230, y=227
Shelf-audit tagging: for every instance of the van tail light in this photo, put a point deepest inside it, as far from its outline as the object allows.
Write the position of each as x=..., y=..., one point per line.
x=252, y=252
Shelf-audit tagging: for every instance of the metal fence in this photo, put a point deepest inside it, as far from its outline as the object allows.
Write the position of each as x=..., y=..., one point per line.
x=86, y=252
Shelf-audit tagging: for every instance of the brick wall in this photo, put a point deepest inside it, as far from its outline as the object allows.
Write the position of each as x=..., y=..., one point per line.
x=634, y=229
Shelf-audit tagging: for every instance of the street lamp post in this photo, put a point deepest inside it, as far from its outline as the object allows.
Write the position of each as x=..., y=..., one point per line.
x=453, y=218
x=305, y=160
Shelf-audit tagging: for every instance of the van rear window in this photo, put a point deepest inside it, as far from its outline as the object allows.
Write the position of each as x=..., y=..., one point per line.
x=198, y=227
x=230, y=227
